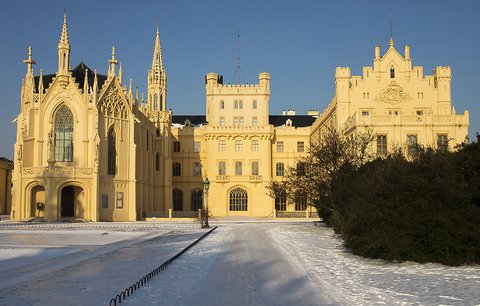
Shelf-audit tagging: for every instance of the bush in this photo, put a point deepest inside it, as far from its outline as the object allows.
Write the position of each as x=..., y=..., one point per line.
x=426, y=210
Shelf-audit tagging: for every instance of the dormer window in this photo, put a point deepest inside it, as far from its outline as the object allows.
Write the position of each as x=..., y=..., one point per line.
x=392, y=73
x=188, y=123
x=289, y=122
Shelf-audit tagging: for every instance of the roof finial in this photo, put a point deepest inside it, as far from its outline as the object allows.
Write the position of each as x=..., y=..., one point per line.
x=391, y=31
x=64, y=35
x=112, y=63
x=157, y=62
x=29, y=61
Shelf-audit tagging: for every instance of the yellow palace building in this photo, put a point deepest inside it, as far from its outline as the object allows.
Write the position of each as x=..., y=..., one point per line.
x=88, y=147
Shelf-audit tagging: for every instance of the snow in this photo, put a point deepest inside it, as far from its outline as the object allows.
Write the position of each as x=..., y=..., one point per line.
x=240, y=263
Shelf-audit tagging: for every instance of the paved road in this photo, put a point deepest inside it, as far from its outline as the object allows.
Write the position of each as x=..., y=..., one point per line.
x=236, y=265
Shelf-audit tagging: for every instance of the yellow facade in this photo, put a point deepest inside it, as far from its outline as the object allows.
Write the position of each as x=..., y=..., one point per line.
x=402, y=105
x=6, y=167
x=90, y=148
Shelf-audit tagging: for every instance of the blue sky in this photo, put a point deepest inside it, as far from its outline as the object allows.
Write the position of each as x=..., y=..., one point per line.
x=299, y=42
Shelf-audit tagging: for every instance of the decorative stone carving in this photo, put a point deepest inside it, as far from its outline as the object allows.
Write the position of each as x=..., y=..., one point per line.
x=393, y=94
x=112, y=105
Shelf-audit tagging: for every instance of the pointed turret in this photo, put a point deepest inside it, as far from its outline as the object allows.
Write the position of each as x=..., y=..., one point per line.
x=29, y=61
x=64, y=49
x=40, y=83
x=392, y=44
x=157, y=80
x=95, y=86
x=120, y=74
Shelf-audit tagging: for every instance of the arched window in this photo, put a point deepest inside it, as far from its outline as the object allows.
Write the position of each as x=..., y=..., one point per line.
x=392, y=73
x=238, y=200
x=155, y=102
x=157, y=162
x=222, y=105
x=112, y=152
x=64, y=134
x=196, y=200
x=177, y=200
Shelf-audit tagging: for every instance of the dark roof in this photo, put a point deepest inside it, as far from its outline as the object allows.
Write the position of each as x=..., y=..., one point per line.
x=78, y=73
x=194, y=119
x=275, y=120
x=297, y=120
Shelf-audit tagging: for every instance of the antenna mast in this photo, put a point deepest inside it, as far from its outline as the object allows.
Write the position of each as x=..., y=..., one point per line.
x=238, y=56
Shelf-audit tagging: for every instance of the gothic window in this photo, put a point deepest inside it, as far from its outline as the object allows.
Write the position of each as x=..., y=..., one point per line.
x=64, y=134
x=196, y=200
x=281, y=202
x=155, y=102
x=300, y=201
x=392, y=73
x=238, y=200
x=177, y=200
x=160, y=101
x=280, y=169
x=157, y=162
x=112, y=152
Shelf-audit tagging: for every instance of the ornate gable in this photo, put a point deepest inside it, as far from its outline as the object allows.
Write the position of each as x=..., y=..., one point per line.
x=112, y=103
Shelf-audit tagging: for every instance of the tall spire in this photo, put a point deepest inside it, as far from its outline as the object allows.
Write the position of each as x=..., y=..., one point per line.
x=64, y=35
x=157, y=61
x=64, y=48
x=157, y=79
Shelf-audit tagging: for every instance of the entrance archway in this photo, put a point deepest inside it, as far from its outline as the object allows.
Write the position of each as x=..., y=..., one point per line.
x=68, y=202
x=37, y=201
x=72, y=202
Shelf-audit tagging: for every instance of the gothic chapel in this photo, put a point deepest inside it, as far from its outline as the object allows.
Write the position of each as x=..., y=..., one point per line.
x=85, y=148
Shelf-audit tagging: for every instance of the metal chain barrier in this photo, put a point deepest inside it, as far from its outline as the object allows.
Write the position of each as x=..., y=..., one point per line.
x=142, y=281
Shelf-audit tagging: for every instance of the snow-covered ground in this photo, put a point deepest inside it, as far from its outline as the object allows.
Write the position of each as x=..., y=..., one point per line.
x=353, y=280
x=240, y=263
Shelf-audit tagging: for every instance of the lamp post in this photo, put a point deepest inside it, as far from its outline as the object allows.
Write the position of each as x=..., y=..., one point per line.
x=206, y=184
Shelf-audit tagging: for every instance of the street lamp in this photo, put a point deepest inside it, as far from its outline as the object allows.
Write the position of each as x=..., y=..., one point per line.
x=206, y=184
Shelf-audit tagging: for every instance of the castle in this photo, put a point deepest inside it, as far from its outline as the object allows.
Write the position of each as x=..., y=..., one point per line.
x=88, y=147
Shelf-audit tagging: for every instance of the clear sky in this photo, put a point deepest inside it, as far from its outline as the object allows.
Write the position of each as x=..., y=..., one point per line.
x=299, y=42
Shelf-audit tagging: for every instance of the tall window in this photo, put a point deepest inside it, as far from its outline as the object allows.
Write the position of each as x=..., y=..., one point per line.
x=392, y=73
x=222, y=145
x=221, y=168
x=222, y=121
x=254, y=145
x=197, y=169
x=238, y=200
x=177, y=200
x=442, y=141
x=238, y=168
x=279, y=146
x=240, y=121
x=281, y=202
x=300, y=146
x=196, y=146
x=382, y=145
x=235, y=104
x=177, y=169
x=112, y=152
x=155, y=102
x=222, y=104
x=64, y=134
x=300, y=202
x=280, y=169
x=176, y=146
x=240, y=104
x=157, y=162
x=147, y=140
x=300, y=169
x=196, y=200
x=412, y=145
x=238, y=145
x=254, y=104
x=255, y=168
x=235, y=121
